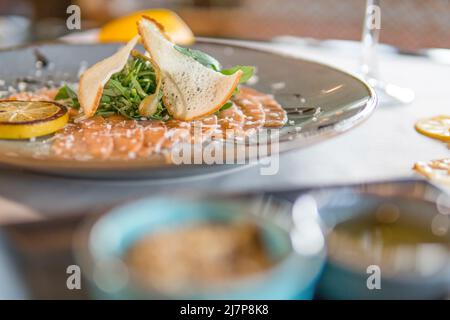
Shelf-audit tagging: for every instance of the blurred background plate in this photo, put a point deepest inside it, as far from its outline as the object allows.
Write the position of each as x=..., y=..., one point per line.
x=321, y=102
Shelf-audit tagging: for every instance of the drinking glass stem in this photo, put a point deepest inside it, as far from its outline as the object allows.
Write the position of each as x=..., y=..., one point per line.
x=370, y=39
x=388, y=93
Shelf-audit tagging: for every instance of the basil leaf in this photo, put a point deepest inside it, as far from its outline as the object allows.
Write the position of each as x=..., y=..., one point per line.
x=212, y=63
x=62, y=94
x=201, y=57
x=247, y=72
x=66, y=93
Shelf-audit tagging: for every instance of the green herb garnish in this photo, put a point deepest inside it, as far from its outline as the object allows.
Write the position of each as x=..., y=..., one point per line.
x=247, y=72
x=69, y=96
x=125, y=90
x=226, y=106
x=212, y=63
x=201, y=57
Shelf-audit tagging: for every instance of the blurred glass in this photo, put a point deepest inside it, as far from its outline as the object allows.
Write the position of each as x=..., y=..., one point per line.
x=14, y=30
x=388, y=93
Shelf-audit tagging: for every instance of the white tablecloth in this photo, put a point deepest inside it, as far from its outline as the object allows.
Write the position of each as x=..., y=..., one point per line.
x=384, y=147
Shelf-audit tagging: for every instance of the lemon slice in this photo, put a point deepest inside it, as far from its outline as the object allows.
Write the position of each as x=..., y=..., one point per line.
x=436, y=127
x=190, y=90
x=29, y=119
x=124, y=28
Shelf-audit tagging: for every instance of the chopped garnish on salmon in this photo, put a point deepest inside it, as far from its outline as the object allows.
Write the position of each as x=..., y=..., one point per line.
x=118, y=138
x=128, y=139
x=231, y=123
x=253, y=112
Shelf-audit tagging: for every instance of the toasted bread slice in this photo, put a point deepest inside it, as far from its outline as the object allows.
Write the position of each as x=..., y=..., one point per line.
x=93, y=80
x=190, y=90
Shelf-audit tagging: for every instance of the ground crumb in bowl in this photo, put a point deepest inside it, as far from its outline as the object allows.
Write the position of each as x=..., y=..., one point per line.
x=199, y=255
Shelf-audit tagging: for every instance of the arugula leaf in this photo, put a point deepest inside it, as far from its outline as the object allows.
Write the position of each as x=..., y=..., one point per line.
x=126, y=89
x=201, y=57
x=66, y=93
x=247, y=72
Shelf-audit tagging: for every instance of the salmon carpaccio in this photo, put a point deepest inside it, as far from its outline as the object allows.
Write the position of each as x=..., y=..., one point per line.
x=116, y=137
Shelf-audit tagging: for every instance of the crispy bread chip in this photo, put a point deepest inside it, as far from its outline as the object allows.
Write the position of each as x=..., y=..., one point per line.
x=93, y=80
x=190, y=90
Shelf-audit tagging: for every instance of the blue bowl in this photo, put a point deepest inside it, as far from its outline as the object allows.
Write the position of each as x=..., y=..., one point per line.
x=293, y=277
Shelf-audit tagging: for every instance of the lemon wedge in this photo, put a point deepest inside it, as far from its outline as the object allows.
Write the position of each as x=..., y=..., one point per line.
x=436, y=170
x=436, y=127
x=123, y=29
x=29, y=119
